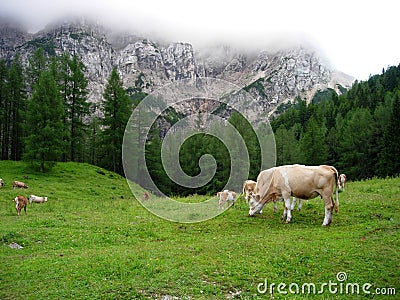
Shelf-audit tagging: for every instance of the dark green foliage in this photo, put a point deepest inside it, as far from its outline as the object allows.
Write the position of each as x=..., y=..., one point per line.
x=390, y=161
x=44, y=122
x=358, y=132
x=12, y=109
x=117, y=109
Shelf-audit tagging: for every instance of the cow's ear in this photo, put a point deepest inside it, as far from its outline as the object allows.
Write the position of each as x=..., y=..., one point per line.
x=258, y=198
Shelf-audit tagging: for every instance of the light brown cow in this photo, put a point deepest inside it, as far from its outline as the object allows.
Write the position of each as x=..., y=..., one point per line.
x=21, y=203
x=224, y=197
x=19, y=184
x=304, y=182
x=249, y=187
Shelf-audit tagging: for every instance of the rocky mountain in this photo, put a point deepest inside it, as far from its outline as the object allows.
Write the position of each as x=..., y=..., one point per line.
x=271, y=77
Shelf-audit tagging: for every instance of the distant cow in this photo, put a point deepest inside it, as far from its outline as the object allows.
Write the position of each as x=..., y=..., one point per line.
x=224, y=197
x=19, y=184
x=304, y=182
x=36, y=199
x=2, y=183
x=21, y=203
x=342, y=181
x=146, y=195
x=248, y=189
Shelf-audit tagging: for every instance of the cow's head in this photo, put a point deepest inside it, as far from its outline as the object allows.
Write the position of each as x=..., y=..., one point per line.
x=255, y=204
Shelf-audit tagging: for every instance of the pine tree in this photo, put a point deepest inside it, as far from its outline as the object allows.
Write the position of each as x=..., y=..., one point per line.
x=116, y=108
x=313, y=145
x=44, y=123
x=4, y=110
x=37, y=65
x=17, y=97
x=77, y=106
x=391, y=140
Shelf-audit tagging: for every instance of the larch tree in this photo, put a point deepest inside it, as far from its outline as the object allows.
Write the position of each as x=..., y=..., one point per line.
x=116, y=108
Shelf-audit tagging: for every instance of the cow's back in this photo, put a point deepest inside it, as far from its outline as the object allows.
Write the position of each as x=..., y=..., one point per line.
x=305, y=182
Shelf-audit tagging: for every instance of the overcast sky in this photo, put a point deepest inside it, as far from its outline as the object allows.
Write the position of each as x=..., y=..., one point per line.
x=357, y=37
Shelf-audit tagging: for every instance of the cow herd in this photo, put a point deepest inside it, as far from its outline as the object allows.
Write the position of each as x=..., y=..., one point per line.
x=21, y=202
x=283, y=182
x=275, y=184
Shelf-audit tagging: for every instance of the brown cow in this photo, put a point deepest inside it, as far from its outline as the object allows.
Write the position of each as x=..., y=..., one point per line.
x=304, y=182
x=146, y=195
x=19, y=184
x=224, y=197
x=21, y=203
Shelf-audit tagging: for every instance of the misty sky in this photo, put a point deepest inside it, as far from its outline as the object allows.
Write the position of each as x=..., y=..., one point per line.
x=356, y=37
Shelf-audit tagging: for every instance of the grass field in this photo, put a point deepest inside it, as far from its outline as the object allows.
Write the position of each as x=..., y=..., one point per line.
x=93, y=240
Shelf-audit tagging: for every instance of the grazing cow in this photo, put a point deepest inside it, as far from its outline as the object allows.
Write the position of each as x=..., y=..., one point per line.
x=342, y=181
x=21, y=203
x=146, y=195
x=224, y=197
x=248, y=189
x=19, y=184
x=36, y=199
x=2, y=183
x=304, y=182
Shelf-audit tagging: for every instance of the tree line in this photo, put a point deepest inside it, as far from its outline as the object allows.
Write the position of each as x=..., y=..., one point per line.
x=45, y=115
x=358, y=131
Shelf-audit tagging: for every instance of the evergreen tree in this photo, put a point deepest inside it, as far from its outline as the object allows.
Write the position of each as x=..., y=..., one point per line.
x=390, y=160
x=313, y=144
x=77, y=107
x=4, y=111
x=17, y=99
x=116, y=108
x=44, y=122
x=37, y=65
x=355, y=157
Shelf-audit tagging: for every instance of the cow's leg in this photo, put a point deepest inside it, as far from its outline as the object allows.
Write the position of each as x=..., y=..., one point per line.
x=275, y=206
x=300, y=205
x=288, y=209
x=328, y=210
x=293, y=203
x=25, y=209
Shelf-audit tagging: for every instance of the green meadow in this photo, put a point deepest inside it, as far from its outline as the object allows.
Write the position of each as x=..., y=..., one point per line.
x=94, y=240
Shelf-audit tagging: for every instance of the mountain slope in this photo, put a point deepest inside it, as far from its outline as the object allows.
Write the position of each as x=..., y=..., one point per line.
x=271, y=77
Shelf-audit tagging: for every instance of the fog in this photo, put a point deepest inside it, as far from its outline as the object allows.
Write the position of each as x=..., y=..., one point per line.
x=355, y=37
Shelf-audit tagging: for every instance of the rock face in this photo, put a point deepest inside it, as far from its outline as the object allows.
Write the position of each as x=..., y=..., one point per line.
x=271, y=77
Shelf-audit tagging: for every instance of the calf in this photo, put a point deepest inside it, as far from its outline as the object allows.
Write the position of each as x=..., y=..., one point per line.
x=2, y=183
x=342, y=181
x=36, y=199
x=21, y=203
x=19, y=184
x=224, y=197
x=248, y=189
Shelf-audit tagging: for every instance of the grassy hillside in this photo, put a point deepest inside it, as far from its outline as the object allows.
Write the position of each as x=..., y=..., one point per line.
x=93, y=240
